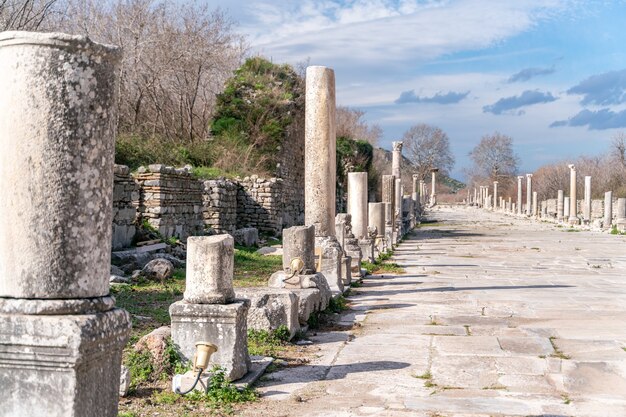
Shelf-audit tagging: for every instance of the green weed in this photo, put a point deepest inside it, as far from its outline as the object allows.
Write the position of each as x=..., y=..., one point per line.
x=267, y=343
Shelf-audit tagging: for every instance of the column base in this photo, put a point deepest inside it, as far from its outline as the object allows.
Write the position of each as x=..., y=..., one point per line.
x=331, y=253
x=573, y=220
x=224, y=325
x=367, y=249
x=61, y=365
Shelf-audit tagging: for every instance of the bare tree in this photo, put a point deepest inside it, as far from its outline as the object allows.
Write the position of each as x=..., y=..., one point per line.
x=494, y=160
x=618, y=148
x=25, y=14
x=428, y=147
x=350, y=125
x=176, y=59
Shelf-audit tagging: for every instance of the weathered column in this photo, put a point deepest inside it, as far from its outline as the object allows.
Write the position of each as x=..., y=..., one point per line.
x=519, y=194
x=299, y=242
x=376, y=219
x=396, y=161
x=559, y=206
x=320, y=151
x=495, y=195
x=587, y=202
x=608, y=209
x=510, y=205
x=529, y=194
x=433, y=193
x=320, y=170
x=475, y=196
x=566, y=209
x=61, y=337
x=209, y=311
x=620, y=216
x=416, y=196
x=535, y=207
x=573, y=212
x=357, y=203
x=398, y=212
x=389, y=197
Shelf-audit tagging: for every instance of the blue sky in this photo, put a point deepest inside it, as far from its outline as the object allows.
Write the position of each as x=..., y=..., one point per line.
x=549, y=73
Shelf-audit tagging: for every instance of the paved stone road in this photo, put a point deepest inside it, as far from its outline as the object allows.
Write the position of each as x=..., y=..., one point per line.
x=494, y=316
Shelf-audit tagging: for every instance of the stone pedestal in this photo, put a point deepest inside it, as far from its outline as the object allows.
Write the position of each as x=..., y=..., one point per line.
x=224, y=325
x=209, y=312
x=608, y=210
x=299, y=242
x=320, y=150
x=388, y=226
x=330, y=256
x=61, y=338
x=367, y=249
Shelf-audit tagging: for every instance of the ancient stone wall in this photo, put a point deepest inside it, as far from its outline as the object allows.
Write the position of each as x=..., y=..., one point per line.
x=219, y=205
x=291, y=170
x=261, y=204
x=125, y=202
x=170, y=200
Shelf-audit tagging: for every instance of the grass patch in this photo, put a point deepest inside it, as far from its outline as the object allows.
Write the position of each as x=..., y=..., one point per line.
x=210, y=173
x=557, y=352
x=148, y=302
x=253, y=269
x=566, y=399
x=468, y=331
x=319, y=319
x=267, y=343
x=222, y=392
x=381, y=265
x=425, y=375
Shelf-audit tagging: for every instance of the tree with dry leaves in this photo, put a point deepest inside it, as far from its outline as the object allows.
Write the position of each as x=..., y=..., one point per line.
x=494, y=160
x=350, y=124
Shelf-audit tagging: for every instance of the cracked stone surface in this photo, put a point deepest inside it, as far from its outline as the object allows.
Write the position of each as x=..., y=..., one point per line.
x=494, y=316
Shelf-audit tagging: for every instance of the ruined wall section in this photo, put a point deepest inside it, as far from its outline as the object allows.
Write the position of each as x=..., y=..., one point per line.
x=125, y=202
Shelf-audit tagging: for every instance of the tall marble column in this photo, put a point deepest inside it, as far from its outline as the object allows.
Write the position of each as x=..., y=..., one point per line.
x=320, y=170
x=559, y=206
x=396, y=161
x=535, y=208
x=416, y=196
x=357, y=203
x=573, y=212
x=61, y=337
x=475, y=196
x=608, y=209
x=566, y=209
x=620, y=216
x=519, y=194
x=529, y=194
x=587, y=202
x=495, y=195
x=433, y=193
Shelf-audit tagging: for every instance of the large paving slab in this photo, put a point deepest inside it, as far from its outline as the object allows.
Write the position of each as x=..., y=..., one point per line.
x=495, y=316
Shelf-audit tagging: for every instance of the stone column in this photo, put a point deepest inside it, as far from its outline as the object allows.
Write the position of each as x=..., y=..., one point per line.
x=587, y=203
x=559, y=206
x=495, y=194
x=433, y=193
x=608, y=209
x=396, y=161
x=529, y=194
x=510, y=205
x=320, y=170
x=389, y=197
x=398, y=212
x=320, y=151
x=620, y=216
x=357, y=203
x=519, y=194
x=61, y=337
x=475, y=196
x=573, y=212
x=416, y=196
x=566, y=209
x=376, y=219
x=535, y=207
x=209, y=311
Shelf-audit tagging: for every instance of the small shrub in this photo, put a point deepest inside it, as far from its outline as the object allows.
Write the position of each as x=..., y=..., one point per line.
x=337, y=305
x=267, y=343
x=221, y=391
